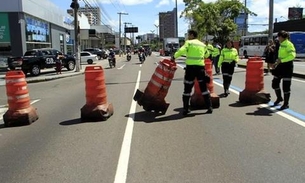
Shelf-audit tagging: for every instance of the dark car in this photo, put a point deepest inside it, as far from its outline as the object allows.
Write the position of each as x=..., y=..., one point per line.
x=100, y=53
x=35, y=60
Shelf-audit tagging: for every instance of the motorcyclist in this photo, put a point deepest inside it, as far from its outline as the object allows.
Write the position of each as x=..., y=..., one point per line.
x=141, y=50
x=112, y=55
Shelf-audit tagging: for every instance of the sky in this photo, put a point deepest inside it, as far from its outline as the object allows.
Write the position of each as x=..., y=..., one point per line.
x=144, y=13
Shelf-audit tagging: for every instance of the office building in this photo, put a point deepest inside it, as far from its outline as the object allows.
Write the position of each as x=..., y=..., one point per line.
x=93, y=14
x=167, y=24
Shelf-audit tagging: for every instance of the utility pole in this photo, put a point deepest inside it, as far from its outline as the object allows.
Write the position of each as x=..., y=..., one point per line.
x=125, y=25
x=152, y=32
x=74, y=5
x=120, y=21
x=176, y=4
x=245, y=30
x=270, y=35
x=158, y=36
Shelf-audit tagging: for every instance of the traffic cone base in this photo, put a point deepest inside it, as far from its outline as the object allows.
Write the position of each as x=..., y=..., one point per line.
x=96, y=113
x=249, y=97
x=198, y=102
x=20, y=117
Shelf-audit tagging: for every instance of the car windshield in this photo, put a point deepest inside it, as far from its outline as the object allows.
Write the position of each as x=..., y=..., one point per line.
x=30, y=53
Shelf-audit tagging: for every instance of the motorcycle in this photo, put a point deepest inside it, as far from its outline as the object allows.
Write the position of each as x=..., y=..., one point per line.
x=128, y=57
x=141, y=57
x=111, y=61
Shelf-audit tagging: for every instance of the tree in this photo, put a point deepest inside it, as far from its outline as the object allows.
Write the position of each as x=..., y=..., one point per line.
x=216, y=19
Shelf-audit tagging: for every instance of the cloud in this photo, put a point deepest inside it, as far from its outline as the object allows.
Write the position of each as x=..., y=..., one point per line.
x=122, y=2
x=163, y=2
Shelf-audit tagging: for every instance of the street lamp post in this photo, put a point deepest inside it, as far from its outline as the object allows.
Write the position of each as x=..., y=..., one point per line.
x=120, y=17
x=75, y=6
x=176, y=3
x=270, y=35
x=158, y=36
x=125, y=23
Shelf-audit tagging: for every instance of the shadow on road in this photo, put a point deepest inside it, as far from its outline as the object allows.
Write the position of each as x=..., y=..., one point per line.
x=151, y=117
x=76, y=121
x=261, y=111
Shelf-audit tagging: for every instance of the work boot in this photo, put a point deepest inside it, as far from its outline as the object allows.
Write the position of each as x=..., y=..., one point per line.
x=186, y=100
x=226, y=89
x=286, y=101
x=207, y=99
x=278, y=97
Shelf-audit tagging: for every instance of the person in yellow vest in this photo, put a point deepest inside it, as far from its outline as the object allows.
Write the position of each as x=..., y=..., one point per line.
x=195, y=52
x=210, y=49
x=215, y=57
x=227, y=61
x=283, y=69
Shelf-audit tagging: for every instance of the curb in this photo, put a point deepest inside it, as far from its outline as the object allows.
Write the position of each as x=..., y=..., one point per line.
x=37, y=80
x=294, y=74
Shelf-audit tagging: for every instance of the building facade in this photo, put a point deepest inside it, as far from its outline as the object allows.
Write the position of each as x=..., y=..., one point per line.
x=93, y=14
x=167, y=24
x=32, y=24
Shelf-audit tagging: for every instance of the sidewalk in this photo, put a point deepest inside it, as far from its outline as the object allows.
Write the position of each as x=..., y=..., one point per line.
x=50, y=74
x=299, y=67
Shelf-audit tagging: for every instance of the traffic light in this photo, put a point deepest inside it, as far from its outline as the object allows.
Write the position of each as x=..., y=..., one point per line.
x=74, y=4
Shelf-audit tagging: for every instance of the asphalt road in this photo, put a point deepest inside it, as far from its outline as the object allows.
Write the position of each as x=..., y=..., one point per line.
x=237, y=143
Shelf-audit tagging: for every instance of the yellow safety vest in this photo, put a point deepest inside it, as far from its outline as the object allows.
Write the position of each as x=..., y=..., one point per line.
x=228, y=55
x=287, y=51
x=215, y=52
x=195, y=52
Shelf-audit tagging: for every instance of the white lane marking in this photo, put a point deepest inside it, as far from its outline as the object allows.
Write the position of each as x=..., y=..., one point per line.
x=122, y=66
x=298, y=80
x=122, y=168
x=3, y=110
x=285, y=115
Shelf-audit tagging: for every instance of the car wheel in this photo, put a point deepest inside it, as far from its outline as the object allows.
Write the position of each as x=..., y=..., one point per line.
x=35, y=70
x=70, y=65
x=90, y=61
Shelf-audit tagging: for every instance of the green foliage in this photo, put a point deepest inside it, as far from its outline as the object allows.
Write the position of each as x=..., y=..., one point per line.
x=216, y=19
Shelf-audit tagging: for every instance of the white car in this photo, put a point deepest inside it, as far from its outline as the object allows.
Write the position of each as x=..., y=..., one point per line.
x=88, y=57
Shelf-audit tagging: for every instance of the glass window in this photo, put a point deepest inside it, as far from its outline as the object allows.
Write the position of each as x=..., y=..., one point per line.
x=264, y=40
x=36, y=30
x=251, y=41
x=246, y=41
x=257, y=41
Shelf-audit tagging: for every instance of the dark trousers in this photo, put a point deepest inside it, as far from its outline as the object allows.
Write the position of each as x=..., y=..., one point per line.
x=58, y=67
x=227, y=70
x=215, y=63
x=283, y=71
x=192, y=73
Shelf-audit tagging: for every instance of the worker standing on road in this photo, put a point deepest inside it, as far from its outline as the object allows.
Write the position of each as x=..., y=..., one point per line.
x=195, y=52
x=215, y=57
x=210, y=49
x=227, y=61
x=283, y=69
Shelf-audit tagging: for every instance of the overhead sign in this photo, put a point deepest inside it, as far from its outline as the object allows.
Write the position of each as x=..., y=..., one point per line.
x=4, y=28
x=295, y=13
x=131, y=29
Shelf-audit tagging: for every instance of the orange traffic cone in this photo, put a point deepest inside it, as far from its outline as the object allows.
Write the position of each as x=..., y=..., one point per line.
x=197, y=100
x=153, y=97
x=96, y=108
x=20, y=112
x=254, y=92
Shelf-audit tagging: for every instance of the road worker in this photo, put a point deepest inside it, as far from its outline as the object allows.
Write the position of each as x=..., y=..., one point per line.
x=215, y=57
x=283, y=69
x=195, y=52
x=227, y=61
x=210, y=49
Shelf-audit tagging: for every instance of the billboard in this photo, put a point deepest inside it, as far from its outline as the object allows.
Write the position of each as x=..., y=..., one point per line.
x=295, y=13
x=131, y=29
x=36, y=30
x=4, y=28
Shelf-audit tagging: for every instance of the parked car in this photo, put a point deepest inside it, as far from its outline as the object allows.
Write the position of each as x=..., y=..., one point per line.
x=88, y=57
x=101, y=54
x=34, y=60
